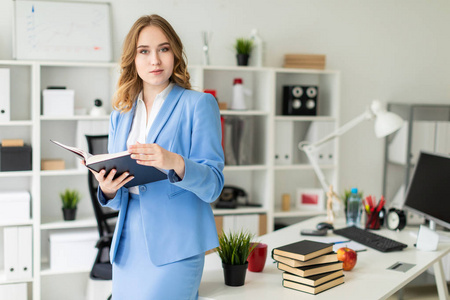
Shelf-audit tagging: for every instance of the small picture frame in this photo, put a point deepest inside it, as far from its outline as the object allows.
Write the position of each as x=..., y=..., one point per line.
x=310, y=199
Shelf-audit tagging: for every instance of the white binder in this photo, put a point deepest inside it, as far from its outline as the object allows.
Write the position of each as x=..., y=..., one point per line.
x=423, y=138
x=18, y=252
x=11, y=255
x=4, y=95
x=317, y=131
x=443, y=137
x=284, y=132
x=25, y=265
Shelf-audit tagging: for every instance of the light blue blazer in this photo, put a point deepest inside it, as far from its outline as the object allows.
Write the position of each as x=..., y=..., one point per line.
x=177, y=217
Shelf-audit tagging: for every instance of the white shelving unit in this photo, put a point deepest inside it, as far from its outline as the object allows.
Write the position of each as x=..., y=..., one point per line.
x=263, y=178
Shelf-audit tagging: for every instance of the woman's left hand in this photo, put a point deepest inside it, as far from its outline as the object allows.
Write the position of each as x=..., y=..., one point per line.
x=156, y=156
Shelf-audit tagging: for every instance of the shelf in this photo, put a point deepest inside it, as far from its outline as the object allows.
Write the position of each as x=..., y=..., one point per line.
x=400, y=164
x=59, y=223
x=243, y=113
x=264, y=181
x=296, y=213
x=16, y=223
x=240, y=211
x=233, y=68
x=46, y=271
x=3, y=280
x=16, y=173
x=17, y=123
x=306, y=118
x=305, y=71
x=246, y=168
x=15, y=63
x=67, y=172
x=78, y=64
x=251, y=68
x=302, y=167
x=75, y=118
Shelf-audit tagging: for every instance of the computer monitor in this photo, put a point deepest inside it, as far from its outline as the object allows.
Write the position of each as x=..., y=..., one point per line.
x=428, y=193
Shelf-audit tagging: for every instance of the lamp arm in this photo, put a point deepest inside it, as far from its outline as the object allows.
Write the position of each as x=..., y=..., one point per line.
x=367, y=115
x=309, y=149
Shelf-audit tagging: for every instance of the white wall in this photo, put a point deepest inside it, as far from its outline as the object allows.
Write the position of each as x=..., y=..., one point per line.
x=393, y=50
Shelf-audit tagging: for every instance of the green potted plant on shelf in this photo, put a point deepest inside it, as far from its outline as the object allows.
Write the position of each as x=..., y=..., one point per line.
x=234, y=249
x=70, y=199
x=243, y=49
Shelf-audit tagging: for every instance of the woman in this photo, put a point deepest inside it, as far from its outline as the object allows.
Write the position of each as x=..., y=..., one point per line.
x=165, y=227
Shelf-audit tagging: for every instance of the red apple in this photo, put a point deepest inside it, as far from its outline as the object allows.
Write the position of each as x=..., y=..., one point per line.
x=348, y=257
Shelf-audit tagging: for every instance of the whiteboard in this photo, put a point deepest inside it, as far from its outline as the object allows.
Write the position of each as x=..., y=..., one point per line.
x=74, y=31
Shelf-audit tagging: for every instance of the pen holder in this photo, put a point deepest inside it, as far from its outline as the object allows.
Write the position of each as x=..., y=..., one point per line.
x=373, y=220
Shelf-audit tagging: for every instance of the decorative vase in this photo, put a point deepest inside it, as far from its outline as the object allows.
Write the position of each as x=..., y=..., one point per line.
x=69, y=214
x=234, y=274
x=242, y=59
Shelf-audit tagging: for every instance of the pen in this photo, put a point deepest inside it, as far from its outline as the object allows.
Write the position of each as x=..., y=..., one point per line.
x=341, y=242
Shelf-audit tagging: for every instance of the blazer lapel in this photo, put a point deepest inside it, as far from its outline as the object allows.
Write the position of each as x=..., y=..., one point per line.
x=164, y=113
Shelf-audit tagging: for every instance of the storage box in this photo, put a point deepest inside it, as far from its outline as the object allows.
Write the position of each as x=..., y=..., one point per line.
x=14, y=206
x=58, y=103
x=15, y=158
x=53, y=164
x=12, y=143
x=16, y=291
x=73, y=250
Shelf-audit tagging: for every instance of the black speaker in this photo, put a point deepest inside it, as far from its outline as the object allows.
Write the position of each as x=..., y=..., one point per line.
x=300, y=100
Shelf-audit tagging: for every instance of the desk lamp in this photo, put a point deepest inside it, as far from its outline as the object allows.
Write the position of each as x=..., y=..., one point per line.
x=385, y=124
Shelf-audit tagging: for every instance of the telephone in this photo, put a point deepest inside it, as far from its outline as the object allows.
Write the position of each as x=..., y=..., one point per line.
x=229, y=197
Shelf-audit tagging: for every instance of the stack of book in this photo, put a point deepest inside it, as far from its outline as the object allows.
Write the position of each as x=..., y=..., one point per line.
x=304, y=61
x=309, y=266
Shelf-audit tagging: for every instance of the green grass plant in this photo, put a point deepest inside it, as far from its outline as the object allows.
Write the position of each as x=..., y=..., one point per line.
x=243, y=46
x=70, y=198
x=235, y=247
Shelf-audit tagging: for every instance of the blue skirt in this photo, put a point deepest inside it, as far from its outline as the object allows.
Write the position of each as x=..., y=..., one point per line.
x=136, y=277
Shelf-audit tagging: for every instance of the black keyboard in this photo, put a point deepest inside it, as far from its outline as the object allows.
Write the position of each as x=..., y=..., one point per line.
x=370, y=239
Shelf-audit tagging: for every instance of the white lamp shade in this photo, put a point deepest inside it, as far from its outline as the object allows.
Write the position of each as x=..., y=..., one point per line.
x=387, y=123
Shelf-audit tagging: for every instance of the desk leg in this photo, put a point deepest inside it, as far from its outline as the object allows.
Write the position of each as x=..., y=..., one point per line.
x=441, y=283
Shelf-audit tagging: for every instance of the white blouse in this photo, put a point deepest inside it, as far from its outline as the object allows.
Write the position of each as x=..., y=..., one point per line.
x=141, y=125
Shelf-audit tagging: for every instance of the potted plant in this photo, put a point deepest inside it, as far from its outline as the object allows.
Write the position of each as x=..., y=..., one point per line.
x=243, y=49
x=70, y=199
x=234, y=249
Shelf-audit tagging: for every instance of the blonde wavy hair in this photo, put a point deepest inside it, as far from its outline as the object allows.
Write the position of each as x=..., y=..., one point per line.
x=130, y=84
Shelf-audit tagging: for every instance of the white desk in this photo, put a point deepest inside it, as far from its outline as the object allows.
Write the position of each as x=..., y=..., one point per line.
x=370, y=279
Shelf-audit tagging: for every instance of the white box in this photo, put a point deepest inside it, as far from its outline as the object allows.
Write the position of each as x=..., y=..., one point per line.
x=58, y=102
x=4, y=95
x=14, y=206
x=16, y=291
x=73, y=250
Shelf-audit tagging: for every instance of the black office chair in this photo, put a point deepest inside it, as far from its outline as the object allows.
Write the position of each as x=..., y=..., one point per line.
x=102, y=268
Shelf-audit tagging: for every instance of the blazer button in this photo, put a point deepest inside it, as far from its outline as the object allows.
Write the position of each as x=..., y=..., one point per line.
x=143, y=188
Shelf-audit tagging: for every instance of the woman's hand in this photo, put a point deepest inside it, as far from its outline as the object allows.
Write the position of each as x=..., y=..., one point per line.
x=108, y=184
x=156, y=156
